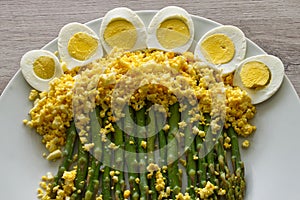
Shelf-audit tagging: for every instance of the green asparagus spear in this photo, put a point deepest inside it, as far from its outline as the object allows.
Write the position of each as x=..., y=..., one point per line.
x=93, y=184
x=119, y=161
x=236, y=156
x=131, y=160
x=172, y=156
x=223, y=169
x=106, y=180
x=210, y=157
x=202, y=165
x=162, y=140
x=81, y=174
x=141, y=134
x=238, y=165
x=96, y=123
x=67, y=155
x=190, y=150
x=150, y=148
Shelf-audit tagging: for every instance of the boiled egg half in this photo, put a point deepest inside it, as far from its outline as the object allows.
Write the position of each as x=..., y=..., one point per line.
x=78, y=45
x=39, y=67
x=260, y=76
x=224, y=47
x=171, y=29
x=122, y=28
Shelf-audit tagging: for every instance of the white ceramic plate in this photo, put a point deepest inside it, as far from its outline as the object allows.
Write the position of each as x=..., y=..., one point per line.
x=272, y=162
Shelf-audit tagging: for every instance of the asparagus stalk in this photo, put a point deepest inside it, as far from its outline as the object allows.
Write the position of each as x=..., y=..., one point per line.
x=236, y=156
x=93, y=184
x=106, y=180
x=130, y=147
x=67, y=156
x=173, y=172
x=202, y=165
x=150, y=149
x=141, y=133
x=238, y=165
x=223, y=169
x=162, y=140
x=119, y=161
x=210, y=157
x=96, y=123
x=81, y=174
x=191, y=166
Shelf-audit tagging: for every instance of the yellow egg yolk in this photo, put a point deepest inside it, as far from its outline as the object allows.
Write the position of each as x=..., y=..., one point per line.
x=82, y=46
x=120, y=33
x=44, y=67
x=173, y=33
x=255, y=74
x=218, y=49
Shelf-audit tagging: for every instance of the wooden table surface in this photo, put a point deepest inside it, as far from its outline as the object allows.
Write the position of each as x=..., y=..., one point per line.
x=30, y=24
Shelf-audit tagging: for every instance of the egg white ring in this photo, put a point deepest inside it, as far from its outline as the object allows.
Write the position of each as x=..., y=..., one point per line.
x=276, y=68
x=65, y=35
x=26, y=64
x=169, y=12
x=236, y=36
x=130, y=16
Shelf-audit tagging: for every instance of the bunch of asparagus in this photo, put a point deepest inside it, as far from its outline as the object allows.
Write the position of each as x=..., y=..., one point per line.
x=96, y=176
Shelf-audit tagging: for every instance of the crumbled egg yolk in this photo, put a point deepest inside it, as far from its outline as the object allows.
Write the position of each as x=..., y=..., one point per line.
x=173, y=33
x=207, y=191
x=99, y=197
x=113, y=146
x=126, y=194
x=69, y=177
x=160, y=186
x=54, y=155
x=115, y=179
x=63, y=192
x=116, y=32
x=218, y=48
x=183, y=162
x=239, y=111
x=151, y=168
x=160, y=183
x=221, y=192
x=144, y=144
x=166, y=127
x=52, y=113
x=255, y=74
x=131, y=142
x=112, y=173
x=180, y=196
x=246, y=144
x=182, y=124
x=82, y=46
x=227, y=144
x=44, y=67
x=137, y=180
x=163, y=192
x=33, y=95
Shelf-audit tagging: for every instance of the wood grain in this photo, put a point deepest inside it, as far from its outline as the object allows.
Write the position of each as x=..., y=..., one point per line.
x=30, y=24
